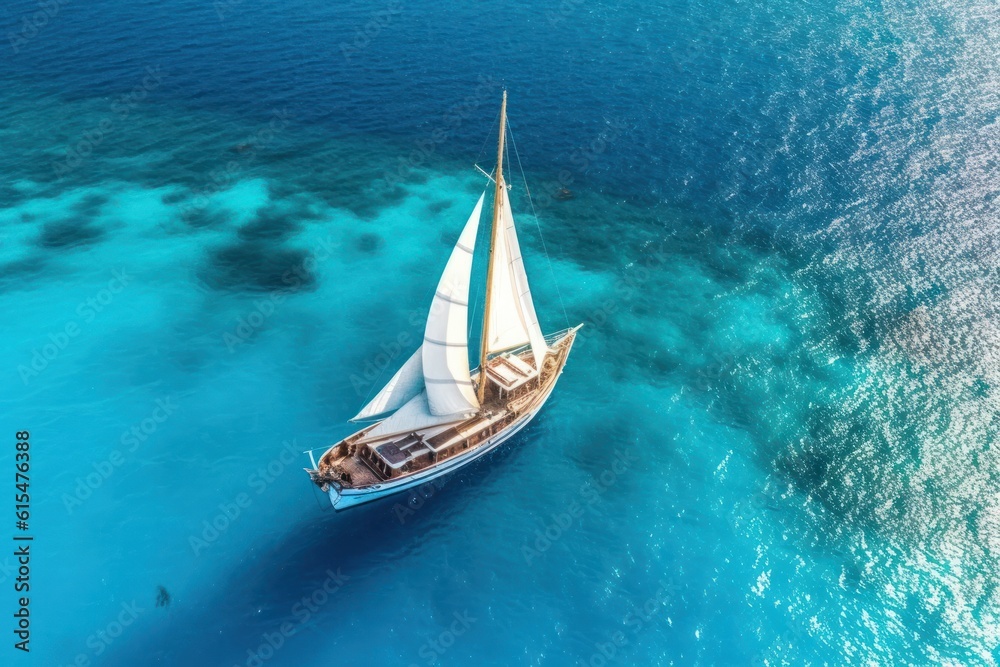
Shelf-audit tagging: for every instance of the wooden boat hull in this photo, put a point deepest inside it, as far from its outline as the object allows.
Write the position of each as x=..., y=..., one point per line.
x=343, y=498
x=351, y=497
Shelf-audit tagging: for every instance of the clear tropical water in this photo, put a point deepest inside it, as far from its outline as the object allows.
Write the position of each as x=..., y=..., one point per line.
x=775, y=442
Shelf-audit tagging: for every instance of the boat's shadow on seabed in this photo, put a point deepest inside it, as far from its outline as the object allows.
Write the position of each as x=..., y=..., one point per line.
x=264, y=587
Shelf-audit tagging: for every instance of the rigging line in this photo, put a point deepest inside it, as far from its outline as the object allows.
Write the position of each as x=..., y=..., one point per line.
x=488, y=135
x=506, y=152
x=474, y=302
x=371, y=389
x=534, y=215
x=479, y=284
x=376, y=383
x=476, y=248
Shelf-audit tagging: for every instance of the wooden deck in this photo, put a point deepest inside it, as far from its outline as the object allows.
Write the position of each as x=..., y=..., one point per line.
x=515, y=390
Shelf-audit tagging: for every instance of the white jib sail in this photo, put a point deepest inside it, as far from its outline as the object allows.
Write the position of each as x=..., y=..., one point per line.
x=404, y=385
x=414, y=416
x=446, y=341
x=512, y=312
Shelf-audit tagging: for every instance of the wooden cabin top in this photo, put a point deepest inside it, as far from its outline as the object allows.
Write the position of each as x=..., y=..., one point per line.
x=516, y=386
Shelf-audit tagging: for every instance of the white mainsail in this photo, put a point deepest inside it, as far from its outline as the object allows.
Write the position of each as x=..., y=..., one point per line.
x=404, y=385
x=414, y=416
x=512, y=320
x=446, y=336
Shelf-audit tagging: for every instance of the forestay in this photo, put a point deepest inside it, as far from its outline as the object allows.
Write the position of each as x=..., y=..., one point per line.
x=512, y=320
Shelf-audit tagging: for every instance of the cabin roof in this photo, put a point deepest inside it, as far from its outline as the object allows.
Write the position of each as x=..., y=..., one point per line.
x=509, y=372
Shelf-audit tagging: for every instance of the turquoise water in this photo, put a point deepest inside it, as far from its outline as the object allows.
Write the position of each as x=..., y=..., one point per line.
x=774, y=443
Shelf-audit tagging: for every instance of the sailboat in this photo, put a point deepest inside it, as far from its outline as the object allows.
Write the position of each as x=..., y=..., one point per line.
x=435, y=414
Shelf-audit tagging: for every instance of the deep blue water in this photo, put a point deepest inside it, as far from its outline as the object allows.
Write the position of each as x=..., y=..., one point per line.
x=774, y=444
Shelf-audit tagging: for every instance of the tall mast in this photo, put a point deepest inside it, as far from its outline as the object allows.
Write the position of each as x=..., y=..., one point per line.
x=497, y=199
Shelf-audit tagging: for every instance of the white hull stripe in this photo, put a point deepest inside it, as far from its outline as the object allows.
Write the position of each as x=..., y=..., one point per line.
x=354, y=497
